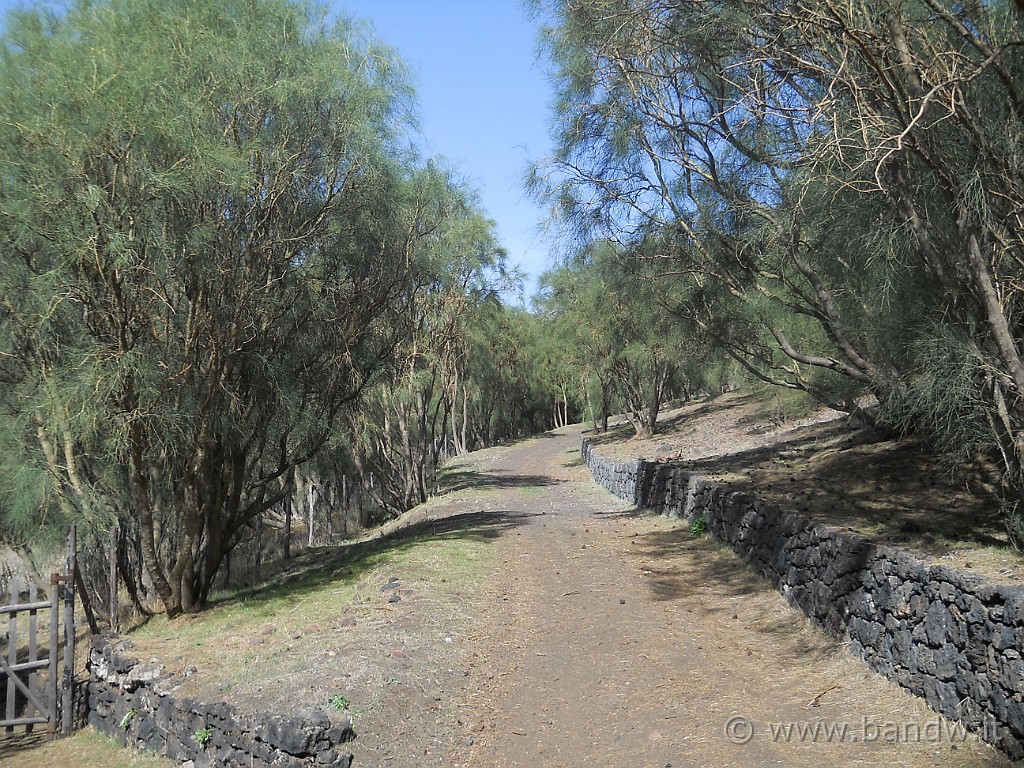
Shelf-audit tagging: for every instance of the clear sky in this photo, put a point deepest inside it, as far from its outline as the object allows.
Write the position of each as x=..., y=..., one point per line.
x=483, y=101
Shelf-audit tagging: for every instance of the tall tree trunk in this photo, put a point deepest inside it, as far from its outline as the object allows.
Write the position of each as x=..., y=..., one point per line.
x=139, y=491
x=311, y=502
x=129, y=577
x=465, y=417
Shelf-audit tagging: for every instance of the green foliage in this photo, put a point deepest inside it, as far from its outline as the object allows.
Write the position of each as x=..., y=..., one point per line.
x=613, y=333
x=945, y=399
x=202, y=737
x=338, y=702
x=779, y=404
x=210, y=232
x=127, y=719
x=464, y=378
x=1014, y=527
x=699, y=526
x=832, y=193
x=472, y=377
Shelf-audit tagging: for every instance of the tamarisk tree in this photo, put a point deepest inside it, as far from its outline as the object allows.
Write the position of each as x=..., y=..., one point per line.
x=208, y=227
x=624, y=342
x=839, y=184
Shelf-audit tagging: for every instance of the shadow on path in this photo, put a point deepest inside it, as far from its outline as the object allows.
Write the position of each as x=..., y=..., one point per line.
x=314, y=569
x=462, y=479
x=682, y=567
x=20, y=741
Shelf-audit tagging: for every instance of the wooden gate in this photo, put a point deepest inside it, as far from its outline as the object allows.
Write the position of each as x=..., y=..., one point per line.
x=32, y=683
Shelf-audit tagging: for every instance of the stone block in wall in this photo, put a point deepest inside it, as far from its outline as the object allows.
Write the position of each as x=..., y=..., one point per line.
x=133, y=701
x=1013, y=606
x=934, y=629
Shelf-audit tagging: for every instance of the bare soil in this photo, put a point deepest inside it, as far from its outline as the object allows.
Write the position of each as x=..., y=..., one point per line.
x=617, y=638
x=526, y=617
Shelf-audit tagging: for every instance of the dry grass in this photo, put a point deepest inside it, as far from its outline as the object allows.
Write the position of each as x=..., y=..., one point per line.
x=416, y=670
x=277, y=648
x=85, y=748
x=321, y=627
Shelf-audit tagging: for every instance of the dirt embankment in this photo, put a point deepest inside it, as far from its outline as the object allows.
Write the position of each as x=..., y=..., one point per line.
x=836, y=471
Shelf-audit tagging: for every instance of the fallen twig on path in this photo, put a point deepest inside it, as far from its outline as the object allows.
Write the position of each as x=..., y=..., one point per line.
x=814, y=702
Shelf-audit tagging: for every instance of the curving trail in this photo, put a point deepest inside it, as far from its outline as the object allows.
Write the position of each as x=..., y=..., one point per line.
x=611, y=638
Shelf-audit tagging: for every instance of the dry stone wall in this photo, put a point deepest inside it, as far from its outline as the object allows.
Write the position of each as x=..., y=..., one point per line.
x=131, y=700
x=948, y=636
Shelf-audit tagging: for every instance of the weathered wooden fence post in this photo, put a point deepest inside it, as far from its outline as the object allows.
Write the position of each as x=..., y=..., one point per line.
x=39, y=703
x=330, y=499
x=12, y=648
x=359, y=501
x=33, y=614
x=113, y=608
x=52, y=682
x=67, y=720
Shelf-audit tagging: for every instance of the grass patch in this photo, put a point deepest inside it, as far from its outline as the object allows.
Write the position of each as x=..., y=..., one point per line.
x=530, y=490
x=87, y=747
x=264, y=635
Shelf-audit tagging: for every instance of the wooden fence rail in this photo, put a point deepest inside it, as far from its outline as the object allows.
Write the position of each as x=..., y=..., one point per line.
x=31, y=681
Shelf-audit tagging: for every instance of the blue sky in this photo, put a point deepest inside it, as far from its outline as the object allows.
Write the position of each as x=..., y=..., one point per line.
x=483, y=98
x=483, y=101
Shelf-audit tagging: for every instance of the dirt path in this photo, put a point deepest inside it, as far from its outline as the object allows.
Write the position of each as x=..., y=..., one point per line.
x=609, y=638
x=526, y=617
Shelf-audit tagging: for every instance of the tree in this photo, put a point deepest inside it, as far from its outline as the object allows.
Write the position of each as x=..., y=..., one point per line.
x=419, y=413
x=604, y=309
x=208, y=232
x=837, y=183
x=929, y=115
x=679, y=133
